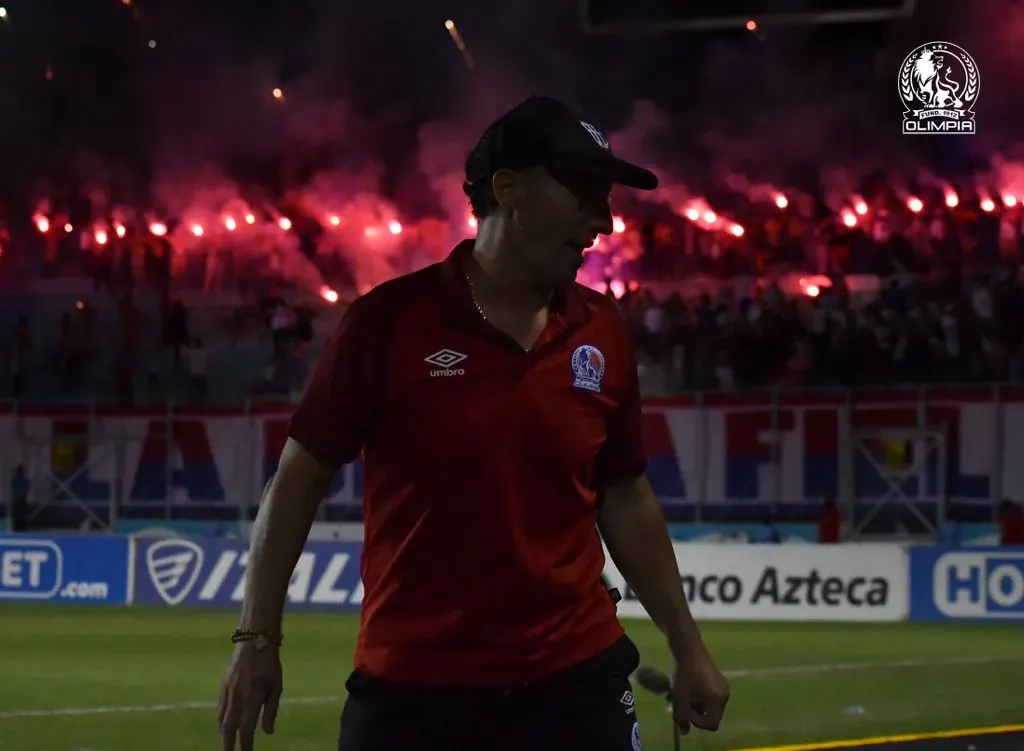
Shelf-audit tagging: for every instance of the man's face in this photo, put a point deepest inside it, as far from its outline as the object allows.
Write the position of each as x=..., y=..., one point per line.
x=556, y=217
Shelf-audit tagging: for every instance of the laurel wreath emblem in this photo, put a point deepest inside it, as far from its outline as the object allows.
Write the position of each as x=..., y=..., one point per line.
x=905, y=89
x=970, y=89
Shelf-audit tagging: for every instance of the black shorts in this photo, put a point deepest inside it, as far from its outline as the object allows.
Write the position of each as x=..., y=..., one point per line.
x=588, y=707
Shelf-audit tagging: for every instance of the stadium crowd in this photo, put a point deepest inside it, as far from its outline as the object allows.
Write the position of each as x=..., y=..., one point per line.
x=936, y=329
x=891, y=292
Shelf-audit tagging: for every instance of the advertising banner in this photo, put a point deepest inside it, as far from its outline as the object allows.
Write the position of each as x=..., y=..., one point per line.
x=68, y=569
x=966, y=584
x=210, y=572
x=785, y=582
x=728, y=582
x=749, y=449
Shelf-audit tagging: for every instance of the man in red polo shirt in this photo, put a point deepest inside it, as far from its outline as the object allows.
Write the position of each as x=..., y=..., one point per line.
x=497, y=408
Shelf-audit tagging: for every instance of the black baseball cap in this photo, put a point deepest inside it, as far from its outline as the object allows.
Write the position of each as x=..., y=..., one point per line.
x=544, y=132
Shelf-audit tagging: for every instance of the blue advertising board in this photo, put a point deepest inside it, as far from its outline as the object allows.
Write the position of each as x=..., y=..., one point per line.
x=737, y=532
x=977, y=534
x=65, y=569
x=211, y=573
x=966, y=584
x=177, y=528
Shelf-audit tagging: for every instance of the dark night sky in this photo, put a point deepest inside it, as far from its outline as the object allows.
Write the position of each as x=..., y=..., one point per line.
x=363, y=78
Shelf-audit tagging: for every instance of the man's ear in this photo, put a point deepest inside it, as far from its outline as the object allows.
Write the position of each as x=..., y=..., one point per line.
x=508, y=189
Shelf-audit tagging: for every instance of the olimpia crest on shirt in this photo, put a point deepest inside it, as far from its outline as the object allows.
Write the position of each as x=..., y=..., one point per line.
x=588, y=366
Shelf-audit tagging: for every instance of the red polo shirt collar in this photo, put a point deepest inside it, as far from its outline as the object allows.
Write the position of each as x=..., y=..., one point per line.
x=567, y=303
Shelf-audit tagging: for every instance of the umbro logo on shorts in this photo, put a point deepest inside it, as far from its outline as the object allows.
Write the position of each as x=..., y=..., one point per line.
x=627, y=702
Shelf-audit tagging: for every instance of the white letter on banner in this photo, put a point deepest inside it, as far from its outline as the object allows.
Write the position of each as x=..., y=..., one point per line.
x=325, y=592
x=35, y=561
x=1002, y=595
x=357, y=596
x=219, y=574
x=302, y=578
x=10, y=569
x=238, y=594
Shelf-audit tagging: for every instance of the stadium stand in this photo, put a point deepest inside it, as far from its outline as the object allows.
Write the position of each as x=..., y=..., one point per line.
x=877, y=294
x=790, y=304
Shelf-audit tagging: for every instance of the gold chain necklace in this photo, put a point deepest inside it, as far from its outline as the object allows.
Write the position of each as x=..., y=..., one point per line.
x=472, y=295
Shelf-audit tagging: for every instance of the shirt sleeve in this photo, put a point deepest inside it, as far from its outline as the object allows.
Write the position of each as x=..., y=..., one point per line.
x=337, y=410
x=622, y=457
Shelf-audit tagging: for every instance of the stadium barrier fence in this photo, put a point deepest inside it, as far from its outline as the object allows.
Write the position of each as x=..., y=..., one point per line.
x=711, y=457
x=879, y=582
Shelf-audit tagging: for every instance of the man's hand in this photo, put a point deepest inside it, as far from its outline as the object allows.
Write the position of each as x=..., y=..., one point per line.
x=251, y=688
x=699, y=692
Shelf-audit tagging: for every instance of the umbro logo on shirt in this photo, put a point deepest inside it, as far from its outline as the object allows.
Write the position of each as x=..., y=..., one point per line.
x=445, y=361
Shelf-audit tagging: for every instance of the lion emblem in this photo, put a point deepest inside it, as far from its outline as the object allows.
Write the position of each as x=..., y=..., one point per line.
x=932, y=82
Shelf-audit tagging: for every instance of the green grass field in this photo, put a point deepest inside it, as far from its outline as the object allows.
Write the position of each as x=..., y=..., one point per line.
x=145, y=680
